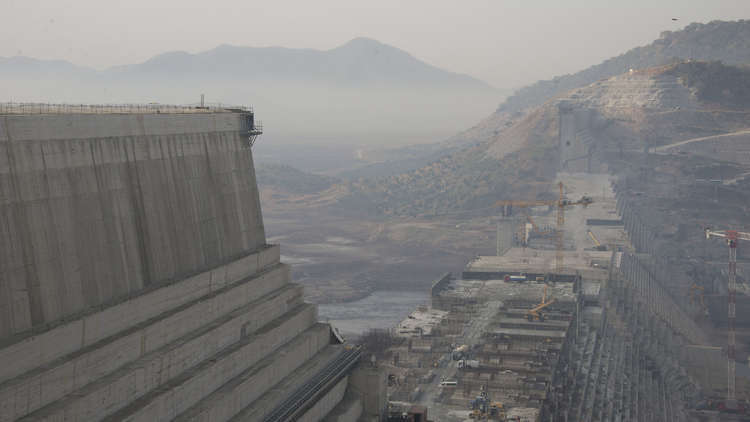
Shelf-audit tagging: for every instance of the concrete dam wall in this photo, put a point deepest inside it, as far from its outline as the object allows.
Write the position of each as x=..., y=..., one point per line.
x=97, y=208
x=135, y=279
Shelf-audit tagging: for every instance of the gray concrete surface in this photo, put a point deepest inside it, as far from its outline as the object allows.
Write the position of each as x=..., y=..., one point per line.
x=348, y=410
x=95, y=208
x=326, y=404
x=135, y=279
x=369, y=383
x=153, y=346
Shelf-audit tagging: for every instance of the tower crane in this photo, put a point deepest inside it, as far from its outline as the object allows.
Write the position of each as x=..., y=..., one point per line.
x=732, y=237
x=561, y=203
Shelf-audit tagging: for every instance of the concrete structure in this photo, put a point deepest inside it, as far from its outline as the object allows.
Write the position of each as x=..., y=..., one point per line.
x=135, y=279
x=613, y=344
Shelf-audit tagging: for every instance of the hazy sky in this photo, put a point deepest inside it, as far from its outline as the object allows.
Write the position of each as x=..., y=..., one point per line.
x=507, y=43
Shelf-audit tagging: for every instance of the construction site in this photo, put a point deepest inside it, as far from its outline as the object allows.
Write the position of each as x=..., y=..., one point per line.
x=581, y=332
x=622, y=298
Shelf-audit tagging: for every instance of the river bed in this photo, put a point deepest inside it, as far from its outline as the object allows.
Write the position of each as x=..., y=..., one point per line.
x=381, y=309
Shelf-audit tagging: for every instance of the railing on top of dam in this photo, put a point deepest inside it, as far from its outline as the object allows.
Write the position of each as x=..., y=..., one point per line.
x=153, y=108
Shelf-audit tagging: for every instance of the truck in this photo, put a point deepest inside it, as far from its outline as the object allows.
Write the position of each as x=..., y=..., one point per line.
x=468, y=364
x=515, y=278
x=460, y=351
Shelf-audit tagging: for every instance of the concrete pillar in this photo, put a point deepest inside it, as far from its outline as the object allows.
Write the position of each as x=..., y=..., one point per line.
x=370, y=384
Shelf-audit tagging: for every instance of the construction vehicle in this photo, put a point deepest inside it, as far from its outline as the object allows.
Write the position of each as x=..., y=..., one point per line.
x=597, y=245
x=535, y=313
x=497, y=411
x=515, y=278
x=468, y=364
x=460, y=352
x=732, y=238
x=561, y=203
x=483, y=408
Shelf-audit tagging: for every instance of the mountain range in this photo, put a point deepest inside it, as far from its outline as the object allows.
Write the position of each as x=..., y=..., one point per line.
x=361, y=61
x=358, y=93
x=673, y=89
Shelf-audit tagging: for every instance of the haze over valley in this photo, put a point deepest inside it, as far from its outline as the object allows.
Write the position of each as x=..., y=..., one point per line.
x=341, y=211
x=360, y=94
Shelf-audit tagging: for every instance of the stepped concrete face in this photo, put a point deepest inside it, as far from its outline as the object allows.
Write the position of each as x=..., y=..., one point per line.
x=135, y=278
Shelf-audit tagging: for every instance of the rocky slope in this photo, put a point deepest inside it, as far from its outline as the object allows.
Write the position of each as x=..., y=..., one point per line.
x=638, y=109
x=728, y=42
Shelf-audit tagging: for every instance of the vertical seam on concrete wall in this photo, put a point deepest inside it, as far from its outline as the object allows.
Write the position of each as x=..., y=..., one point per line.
x=117, y=286
x=174, y=246
x=138, y=212
x=60, y=283
x=213, y=188
x=179, y=259
x=33, y=290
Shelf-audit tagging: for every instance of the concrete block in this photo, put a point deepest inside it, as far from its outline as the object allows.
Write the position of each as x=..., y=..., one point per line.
x=348, y=410
x=37, y=350
x=248, y=387
x=370, y=384
x=264, y=295
x=326, y=403
x=269, y=256
x=300, y=340
x=179, y=368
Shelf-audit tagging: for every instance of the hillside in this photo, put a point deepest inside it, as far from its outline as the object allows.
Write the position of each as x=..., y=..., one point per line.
x=728, y=42
x=658, y=106
x=715, y=83
x=469, y=180
x=287, y=179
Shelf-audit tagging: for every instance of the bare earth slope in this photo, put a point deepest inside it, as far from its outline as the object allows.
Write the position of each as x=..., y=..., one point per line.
x=728, y=42
x=628, y=112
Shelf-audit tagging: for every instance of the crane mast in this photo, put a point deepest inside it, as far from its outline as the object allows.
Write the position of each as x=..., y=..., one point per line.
x=732, y=237
x=559, y=236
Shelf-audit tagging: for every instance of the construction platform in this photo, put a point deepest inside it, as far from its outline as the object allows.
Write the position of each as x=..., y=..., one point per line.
x=582, y=341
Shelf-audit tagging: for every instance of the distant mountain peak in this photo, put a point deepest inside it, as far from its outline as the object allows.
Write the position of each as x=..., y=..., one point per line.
x=363, y=42
x=369, y=46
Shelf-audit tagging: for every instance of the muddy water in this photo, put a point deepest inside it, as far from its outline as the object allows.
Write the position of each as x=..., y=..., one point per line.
x=382, y=309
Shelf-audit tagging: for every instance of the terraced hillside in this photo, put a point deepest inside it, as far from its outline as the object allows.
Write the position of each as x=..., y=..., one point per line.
x=629, y=112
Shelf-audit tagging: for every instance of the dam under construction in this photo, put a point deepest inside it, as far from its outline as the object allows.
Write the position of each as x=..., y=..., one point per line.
x=136, y=282
x=514, y=338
